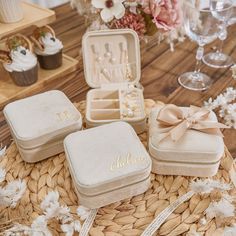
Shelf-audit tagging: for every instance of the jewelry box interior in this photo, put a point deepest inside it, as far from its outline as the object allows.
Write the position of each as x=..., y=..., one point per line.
x=112, y=67
x=114, y=105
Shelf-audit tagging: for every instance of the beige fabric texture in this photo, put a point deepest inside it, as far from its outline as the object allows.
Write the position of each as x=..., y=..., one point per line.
x=42, y=119
x=98, y=39
x=106, y=158
x=195, y=147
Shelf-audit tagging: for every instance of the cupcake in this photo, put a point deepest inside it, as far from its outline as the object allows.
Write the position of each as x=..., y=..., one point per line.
x=47, y=48
x=21, y=63
x=10, y=11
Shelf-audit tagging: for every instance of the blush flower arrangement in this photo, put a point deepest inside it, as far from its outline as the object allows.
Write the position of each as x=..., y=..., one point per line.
x=146, y=17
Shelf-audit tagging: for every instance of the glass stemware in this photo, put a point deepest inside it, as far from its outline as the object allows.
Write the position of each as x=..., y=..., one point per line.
x=200, y=26
x=222, y=10
x=232, y=19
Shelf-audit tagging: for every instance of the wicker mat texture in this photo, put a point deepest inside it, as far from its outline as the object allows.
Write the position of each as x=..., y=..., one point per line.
x=129, y=217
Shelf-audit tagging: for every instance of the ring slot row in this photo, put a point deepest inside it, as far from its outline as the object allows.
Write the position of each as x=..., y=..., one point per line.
x=120, y=104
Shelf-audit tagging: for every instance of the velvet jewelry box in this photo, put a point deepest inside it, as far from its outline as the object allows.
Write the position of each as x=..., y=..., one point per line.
x=196, y=153
x=40, y=123
x=112, y=68
x=107, y=164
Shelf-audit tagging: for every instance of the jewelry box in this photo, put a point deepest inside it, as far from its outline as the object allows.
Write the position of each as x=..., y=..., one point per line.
x=40, y=123
x=107, y=164
x=195, y=154
x=112, y=68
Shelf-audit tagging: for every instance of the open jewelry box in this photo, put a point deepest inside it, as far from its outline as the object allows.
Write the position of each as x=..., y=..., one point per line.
x=112, y=68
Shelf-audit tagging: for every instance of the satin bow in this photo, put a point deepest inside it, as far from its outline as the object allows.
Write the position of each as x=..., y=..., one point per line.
x=178, y=121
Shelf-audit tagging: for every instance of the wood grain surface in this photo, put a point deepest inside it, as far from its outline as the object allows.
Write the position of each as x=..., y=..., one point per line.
x=33, y=14
x=160, y=70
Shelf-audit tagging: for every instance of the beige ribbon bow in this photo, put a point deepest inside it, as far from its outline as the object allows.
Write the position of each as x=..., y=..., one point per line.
x=178, y=122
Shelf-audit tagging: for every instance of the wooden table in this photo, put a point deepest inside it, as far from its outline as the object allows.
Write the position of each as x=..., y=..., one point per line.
x=160, y=70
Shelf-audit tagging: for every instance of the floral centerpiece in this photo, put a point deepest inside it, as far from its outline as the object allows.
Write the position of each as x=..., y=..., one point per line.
x=146, y=17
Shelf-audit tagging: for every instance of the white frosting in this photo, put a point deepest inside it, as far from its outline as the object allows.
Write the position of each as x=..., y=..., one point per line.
x=22, y=60
x=51, y=45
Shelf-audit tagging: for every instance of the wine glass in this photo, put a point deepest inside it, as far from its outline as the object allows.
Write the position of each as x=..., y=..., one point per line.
x=222, y=10
x=232, y=19
x=200, y=26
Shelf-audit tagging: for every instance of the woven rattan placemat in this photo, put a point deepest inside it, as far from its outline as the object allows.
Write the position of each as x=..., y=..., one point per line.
x=129, y=217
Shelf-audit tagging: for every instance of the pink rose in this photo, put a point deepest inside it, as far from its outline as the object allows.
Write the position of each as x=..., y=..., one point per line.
x=166, y=13
x=151, y=7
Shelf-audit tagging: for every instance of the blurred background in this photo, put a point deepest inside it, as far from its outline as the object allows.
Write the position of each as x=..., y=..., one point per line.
x=54, y=3
x=48, y=3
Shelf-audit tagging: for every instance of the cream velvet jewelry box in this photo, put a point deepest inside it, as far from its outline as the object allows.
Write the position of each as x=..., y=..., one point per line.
x=195, y=153
x=112, y=67
x=107, y=164
x=40, y=123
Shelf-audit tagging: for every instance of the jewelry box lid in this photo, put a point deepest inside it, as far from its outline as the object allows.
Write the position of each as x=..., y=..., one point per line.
x=193, y=147
x=106, y=158
x=42, y=118
x=111, y=57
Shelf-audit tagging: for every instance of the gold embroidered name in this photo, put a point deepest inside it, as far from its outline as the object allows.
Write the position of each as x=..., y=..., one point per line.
x=64, y=116
x=127, y=160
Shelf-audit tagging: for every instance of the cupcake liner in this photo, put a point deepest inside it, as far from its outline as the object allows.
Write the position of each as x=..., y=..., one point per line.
x=25, y=78
x=10, y=11
x=50, y=62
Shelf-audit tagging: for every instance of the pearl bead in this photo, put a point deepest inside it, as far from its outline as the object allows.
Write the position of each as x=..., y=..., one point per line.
x=99, y=59
x=107, y=54
x=130, y=113
x=113, y=60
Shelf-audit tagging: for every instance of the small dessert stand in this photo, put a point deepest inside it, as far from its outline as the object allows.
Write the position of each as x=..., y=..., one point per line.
x=33, y=15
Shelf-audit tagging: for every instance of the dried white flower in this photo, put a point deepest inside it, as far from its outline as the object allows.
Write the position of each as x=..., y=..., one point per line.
x=69, y=229
x=201, y=186
x=227, y=111
x=230, y=115
x=83, y=212
x=60, y=212
x=230, y=231
x=12, y=193
x=220, y=209
x=208, y=185
x=52, y=209
x=17, y=230
x=51, y=205
x=219, y=185
x=39, y=227
x=51, y=199
x=2, y=175
x=77, y=226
